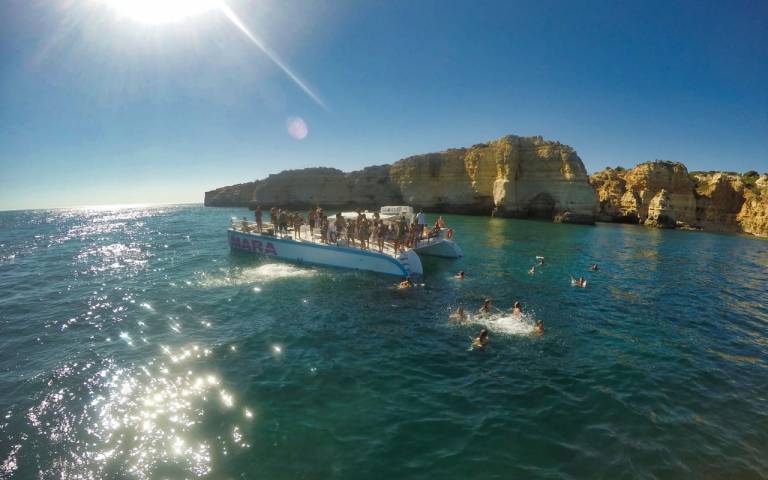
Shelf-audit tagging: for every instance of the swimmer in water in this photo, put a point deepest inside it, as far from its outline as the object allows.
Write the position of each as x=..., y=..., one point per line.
x=541, y=260
x=486, y=308
x=538, y=329
x=460, y=275
x=459, y=314
x=406, y=283
x=532, y=270
x=594, y=267
x=481, y=340
x=582, y=282
x=517, y=310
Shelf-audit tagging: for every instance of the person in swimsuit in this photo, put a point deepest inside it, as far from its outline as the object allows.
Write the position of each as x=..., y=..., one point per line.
x=258, y=216
x=312, y=217
x=459, y=315
x=517, y=310
x=481, y=340
x=486, y=308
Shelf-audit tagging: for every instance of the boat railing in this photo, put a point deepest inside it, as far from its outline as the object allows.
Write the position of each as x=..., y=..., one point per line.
x=289, y=233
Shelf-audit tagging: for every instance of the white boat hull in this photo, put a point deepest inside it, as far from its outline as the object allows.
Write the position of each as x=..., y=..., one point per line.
x=304, y=251
x=439, y=247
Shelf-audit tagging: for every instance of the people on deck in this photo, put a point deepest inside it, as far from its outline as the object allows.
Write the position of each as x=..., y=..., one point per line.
x=324, y=230
x=363, y=231
x=421, y=222
x=381, y=233
x=258, y=215
x=486, y=308
x=244, y=225
x=481, y=340
x=298, y=221
x=311, y=220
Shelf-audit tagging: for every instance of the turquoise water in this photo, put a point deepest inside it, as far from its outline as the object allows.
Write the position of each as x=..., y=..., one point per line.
x=136, y=345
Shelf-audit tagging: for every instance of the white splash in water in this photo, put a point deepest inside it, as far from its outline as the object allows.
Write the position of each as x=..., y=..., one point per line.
x=505, y=323
x=261, y=274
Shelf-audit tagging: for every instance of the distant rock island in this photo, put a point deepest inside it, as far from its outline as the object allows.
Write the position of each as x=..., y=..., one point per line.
x=523, y=177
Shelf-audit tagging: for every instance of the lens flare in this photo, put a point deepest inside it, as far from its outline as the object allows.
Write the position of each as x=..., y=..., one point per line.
x=297, y=128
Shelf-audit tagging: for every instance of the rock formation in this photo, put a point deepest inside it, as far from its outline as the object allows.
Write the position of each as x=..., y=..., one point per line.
x=663, y=194
x=525, y=177
x=512, y=176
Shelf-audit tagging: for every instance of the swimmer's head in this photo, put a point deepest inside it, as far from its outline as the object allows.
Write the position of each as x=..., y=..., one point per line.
x=517, y=305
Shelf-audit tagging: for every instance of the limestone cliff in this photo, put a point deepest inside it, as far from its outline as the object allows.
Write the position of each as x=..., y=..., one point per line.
x=511, y=176
x=664, y=194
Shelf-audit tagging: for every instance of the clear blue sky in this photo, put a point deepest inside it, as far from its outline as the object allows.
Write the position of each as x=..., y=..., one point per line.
x=97, y=107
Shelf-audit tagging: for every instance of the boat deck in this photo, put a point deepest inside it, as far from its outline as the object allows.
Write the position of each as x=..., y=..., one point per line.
x=316, y=238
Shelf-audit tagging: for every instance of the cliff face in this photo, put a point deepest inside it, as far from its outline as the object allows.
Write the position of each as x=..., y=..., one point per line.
x=511, y=176
x=664, y=194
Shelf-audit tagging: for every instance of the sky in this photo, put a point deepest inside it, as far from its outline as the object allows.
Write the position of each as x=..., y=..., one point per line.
x=100, y=104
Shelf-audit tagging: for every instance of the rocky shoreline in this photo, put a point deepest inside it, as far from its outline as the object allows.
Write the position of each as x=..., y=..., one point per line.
x=524, y=177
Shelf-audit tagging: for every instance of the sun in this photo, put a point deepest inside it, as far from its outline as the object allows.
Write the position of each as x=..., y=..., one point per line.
x=154, y=12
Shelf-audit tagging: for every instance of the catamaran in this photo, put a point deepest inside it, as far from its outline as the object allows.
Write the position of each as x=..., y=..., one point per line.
x=311, y=248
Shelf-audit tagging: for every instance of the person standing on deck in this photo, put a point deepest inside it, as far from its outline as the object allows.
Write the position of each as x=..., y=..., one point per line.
x=421, y=222
x=312, y=217
x=258, y=215
x=273, y=218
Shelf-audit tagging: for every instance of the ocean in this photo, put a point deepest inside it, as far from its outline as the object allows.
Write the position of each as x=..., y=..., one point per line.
x=135, y=344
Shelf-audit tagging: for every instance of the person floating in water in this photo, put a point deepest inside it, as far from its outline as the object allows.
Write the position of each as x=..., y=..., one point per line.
x=538, y=329
x=540, y=259
x=486, y=308
x=594, y=267
x=459, y=315
x=517, y=310
x=532, y=270
x=481, y=340
x=581, y=282
x=406, y=283
x=460, y=275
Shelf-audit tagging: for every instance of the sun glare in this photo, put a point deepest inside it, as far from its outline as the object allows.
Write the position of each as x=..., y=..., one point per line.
x=154, y=12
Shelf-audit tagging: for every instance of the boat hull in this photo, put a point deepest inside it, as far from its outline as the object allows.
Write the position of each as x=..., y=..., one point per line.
x=440, y=248
x=301, y=251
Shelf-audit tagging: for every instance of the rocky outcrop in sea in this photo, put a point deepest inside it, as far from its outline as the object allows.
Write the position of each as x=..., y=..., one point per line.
x=512, y=176
x=664, y=194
